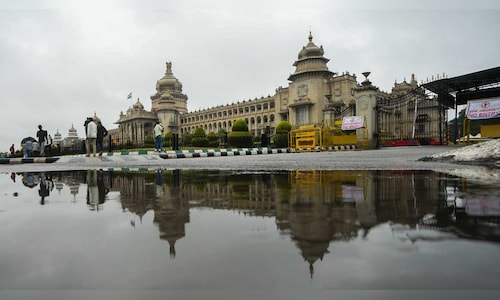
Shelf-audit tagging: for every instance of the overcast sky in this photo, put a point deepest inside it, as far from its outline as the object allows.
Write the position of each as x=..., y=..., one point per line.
x=61, y=62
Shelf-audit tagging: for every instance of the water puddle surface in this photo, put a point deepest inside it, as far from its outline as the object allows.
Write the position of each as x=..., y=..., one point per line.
x=203, y=229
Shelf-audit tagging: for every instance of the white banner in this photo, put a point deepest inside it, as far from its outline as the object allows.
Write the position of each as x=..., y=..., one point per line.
x=352, y=193
x=352, y=123
x=483, y=109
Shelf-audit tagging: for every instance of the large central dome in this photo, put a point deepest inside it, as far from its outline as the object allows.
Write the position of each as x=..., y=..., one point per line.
x=169, y=81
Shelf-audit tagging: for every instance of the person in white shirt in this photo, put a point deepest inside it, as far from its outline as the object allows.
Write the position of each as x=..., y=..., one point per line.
x=158, y=130
x=91, y=137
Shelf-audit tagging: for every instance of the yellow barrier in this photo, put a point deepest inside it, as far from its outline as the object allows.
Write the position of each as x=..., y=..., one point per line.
x=313, y=138
x=490, y=131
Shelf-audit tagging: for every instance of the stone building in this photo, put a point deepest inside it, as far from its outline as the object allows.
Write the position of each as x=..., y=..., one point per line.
x=312, y=87
x=167, y=106
x=314, y=96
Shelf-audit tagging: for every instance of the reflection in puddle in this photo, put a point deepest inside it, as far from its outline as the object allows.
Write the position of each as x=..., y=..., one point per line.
x=316, y=210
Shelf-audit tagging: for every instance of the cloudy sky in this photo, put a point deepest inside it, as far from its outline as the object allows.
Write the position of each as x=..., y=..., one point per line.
x=62, y=61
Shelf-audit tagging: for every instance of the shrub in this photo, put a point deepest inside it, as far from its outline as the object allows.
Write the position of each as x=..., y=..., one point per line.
x=199, y=142
x=239, y=136
x=213, y=139
x=240, y=139
x=283, y=126
x=199, y=132
x=199, y=138
x=187, y=139
x=167, y=139
x=239, y=125
x=149, y=141
x=280, y=139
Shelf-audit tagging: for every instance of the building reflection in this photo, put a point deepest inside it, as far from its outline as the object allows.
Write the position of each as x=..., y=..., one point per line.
x=314, y=208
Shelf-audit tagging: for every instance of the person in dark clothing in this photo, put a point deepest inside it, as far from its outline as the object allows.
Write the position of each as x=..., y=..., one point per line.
x=42, y=139
x=101, y=133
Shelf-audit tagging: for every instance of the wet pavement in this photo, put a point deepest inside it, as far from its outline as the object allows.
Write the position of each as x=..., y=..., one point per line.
x=380, y=159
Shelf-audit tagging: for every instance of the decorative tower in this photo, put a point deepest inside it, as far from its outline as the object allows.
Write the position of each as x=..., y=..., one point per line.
x=366, y=103
x=307, y=89
x=169, y=103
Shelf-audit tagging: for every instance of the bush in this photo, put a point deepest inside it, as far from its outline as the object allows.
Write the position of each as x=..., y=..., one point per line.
x=199, y=132
x=199, y=142
x=199, y=138
x=239, y=136
x=187, y=139
x=240, y=139
x=280, y=140
x=283, y=126
x=212, y=136
x=239, y=125
x=213, y=139
x=149, y=141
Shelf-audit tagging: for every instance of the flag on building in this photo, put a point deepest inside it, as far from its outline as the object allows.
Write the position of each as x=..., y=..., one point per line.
x=129, y=95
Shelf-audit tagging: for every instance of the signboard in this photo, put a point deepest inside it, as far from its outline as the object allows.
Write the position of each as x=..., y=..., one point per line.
x=483, y=109
x=352, y=193
x=483, y=206
x=352, y=123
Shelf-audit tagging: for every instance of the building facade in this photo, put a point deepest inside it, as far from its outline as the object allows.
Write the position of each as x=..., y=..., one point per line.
x=314, y=96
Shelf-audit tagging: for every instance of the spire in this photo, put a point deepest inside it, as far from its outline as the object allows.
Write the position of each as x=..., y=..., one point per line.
x=169, y=68
x=310, y=36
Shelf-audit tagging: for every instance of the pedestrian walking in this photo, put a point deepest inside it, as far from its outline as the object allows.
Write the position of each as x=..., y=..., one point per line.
x=101, y=133
x=42, y=139
x=91, y=137
x=158, y=131
x=12, y=151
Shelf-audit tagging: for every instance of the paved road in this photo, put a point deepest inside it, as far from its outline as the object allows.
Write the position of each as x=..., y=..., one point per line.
x=398, y=158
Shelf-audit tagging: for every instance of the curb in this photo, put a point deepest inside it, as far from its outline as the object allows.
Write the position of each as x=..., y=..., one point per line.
x=220, y=152
x=19, y=160
x=165, y=155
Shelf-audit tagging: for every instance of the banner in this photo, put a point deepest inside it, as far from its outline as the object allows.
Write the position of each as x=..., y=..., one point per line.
x=352, y=123
x=352, y=193
x=483, y=109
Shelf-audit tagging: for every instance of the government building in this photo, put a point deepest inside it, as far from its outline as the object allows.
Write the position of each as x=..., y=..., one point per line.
x=315, y=96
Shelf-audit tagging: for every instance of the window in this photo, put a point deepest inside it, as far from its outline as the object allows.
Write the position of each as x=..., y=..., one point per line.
x=302, y=115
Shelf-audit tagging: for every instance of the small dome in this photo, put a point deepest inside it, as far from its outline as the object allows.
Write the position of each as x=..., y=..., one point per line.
x=311, y=50
x=138, y=105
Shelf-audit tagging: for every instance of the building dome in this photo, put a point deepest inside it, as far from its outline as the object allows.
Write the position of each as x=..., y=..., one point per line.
x=310, y=62
x=311, y=50
x=138, y=105
x=169, y=81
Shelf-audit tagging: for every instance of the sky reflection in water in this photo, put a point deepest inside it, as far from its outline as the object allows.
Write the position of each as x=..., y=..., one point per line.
x=192, y=229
